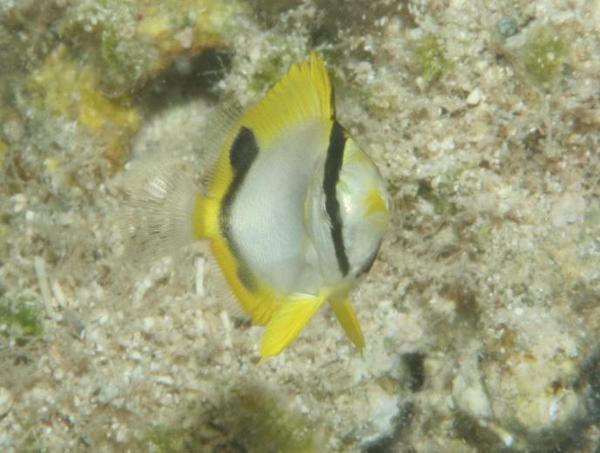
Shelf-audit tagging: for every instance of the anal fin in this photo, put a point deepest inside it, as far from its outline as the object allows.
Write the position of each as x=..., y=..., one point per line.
x=287, y=323
x=345, y=314
x=217, y=286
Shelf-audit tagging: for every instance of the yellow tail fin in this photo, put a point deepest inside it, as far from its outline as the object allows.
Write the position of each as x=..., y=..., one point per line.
x=287, y=323
x=345, y=314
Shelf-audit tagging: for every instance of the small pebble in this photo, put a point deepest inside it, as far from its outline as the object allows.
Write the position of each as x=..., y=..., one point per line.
x=507, y=27
x=148, y=324
x=474, y=97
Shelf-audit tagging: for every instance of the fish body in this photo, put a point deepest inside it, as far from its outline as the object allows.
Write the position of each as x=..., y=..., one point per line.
x=295, y=211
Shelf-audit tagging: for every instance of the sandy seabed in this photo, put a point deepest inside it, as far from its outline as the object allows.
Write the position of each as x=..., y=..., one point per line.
x=480, y=314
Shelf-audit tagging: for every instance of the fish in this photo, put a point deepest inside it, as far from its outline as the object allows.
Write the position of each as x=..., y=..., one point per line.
x=293, y=209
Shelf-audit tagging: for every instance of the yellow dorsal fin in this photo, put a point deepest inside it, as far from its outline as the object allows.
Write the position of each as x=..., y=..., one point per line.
x=287, y=323
x=345, y=314
x=303, y=94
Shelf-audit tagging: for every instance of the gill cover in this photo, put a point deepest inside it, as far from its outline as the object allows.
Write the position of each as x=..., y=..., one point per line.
x=347, y=210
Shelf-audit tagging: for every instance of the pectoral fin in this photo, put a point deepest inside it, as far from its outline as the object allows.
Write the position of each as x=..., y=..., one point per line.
x=345, y=314
x=287, y=323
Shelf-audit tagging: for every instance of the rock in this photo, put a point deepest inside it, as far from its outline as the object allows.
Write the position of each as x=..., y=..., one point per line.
x=467, y=389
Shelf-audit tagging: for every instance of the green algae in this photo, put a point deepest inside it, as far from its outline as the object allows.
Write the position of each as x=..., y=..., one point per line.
x=126, y=61
x=268, y=74
x=431, y=59
x=167, y=439
x=544, y=54
x=250, y=418
x=129, y=43
x=263, y=423
x=21, y=315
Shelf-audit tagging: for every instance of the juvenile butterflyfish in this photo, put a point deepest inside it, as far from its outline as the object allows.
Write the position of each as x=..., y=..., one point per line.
x=294, y=211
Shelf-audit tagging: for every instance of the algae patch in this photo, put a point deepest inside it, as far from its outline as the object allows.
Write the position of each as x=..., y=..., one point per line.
x=544, y=54
x=64, y=87
x=250, y=419
x=130, y=43
x=431, y=59
x=21, y=317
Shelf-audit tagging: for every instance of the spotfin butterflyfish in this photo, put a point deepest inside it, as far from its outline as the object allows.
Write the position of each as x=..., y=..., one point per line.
x=294, y=211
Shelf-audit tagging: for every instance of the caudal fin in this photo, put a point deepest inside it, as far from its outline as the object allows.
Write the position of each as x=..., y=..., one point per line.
x=160, y=199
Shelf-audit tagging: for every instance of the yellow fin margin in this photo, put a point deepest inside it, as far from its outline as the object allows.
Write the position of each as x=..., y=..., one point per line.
x=262, y=302
x=303, y=94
